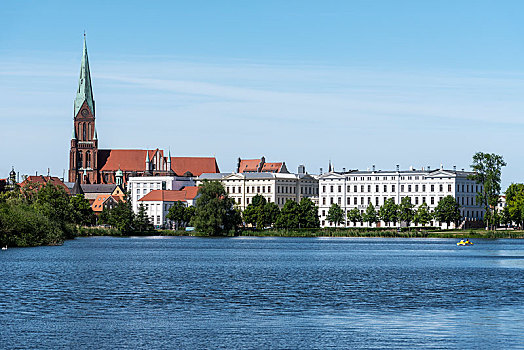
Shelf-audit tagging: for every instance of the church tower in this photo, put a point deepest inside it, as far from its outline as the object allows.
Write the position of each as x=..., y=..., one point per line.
x=83, y=157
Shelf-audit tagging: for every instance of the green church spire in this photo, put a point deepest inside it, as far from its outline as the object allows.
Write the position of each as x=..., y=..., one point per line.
x=85, y=91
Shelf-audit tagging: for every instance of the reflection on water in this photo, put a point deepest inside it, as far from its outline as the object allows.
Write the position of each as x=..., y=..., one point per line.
x=263, y=293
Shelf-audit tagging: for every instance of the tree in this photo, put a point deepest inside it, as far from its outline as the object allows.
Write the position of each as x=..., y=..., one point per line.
x=389, y=211
x=515, y=204
x=422, y=215
x=487, y=169
x=258, y=201
x=269, y=214
x=177, y=214
x=215, y=213
x=447, y=210
x=354, y=216
x=141, y=222
x=335, y=214
x=289, y=215
x=250, y=215
x=370, y=215
x=81, y=210
x=122, y=217
x=405, y=211
x=189, y=212
x=308, y=214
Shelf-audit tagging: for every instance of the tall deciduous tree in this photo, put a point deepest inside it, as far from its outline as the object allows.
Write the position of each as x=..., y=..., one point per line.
x=177, y=214
x=370, y=215
x=388, y=212
x=308, y=214
x=515, y=204
x=422, y=215
x=289, y=215
x=354, y=216
x=335, y=214
x=487, y=169
x=447, y=210
x=215, y=213
x=405, y=211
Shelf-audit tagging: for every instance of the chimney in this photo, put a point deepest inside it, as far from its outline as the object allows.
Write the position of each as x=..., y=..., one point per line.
x=373, y=167
x=429, y=168
x=343, y=170
x=301, y=169
x=441, y=166
x=321, y=171
x=454, y=168
x=411, y=168
x=398, y=167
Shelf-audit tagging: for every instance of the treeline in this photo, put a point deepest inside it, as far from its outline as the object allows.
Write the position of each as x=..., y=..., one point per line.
x=41, y=215
x=447, y=210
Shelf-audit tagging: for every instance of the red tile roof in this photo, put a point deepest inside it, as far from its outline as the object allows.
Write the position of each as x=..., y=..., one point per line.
x=249, y=165
x=185, y=194
x=271, y=167
x=124, y=159
x=135, y=160
x=41, y=180
x=195, y=165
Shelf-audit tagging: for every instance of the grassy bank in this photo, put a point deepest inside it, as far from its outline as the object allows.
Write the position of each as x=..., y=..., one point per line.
x=327, y=232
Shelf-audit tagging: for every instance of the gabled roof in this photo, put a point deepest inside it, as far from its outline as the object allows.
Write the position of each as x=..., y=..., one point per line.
x=251, y=165
x=100, y=200
x=41, y=180
x=272, y=167
x=195, y=165
x=185, y=194
x=124, y=159
x=98, y=188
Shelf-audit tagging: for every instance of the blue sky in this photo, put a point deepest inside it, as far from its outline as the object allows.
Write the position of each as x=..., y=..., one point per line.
x=362, y=83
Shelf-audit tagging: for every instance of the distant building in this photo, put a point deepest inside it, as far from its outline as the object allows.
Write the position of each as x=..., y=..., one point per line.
x=275, y=187
x=100, y=166
x=158, y=202
x=104, y=201
x=40, y=180
x=359, y=189
x=140, y=186
x=260, y=166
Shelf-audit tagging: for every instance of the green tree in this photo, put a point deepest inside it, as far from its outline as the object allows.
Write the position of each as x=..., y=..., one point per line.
x=487, y=169
x=250, y=214
x=81, y=210
x=447, y=210
x=405, y=211
x=215, y=213
x=258, y=201
x=177, y=214
x=122, y=217
x=141, y=222
x=422, y=215
x=389, y=211
x=189, y=212
x=308, y=214
x=269, y=214
x=354, y=216
x=289, y=215
x=335, y=215
x=515, y=203
x=370, y=215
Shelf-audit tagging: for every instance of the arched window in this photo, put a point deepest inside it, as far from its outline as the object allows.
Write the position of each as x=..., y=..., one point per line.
x=89, y=131
x=84, y=132
x=80, y=160
x=88, y=159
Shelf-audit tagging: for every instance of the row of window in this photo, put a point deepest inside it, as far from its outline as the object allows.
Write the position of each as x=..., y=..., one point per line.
x=464, y=200
x=403, y=188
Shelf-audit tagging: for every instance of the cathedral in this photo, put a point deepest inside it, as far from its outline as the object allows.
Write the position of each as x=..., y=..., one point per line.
x=91, y=165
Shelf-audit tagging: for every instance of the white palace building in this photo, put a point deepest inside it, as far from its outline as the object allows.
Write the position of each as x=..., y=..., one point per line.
x=350, y=189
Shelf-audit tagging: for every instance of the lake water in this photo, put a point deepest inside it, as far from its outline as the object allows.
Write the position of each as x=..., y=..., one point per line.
x=280, y=293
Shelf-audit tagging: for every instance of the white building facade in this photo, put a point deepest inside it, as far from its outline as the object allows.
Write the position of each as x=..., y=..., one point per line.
x=358, y=189
x=274, y=187
x=139, y=186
